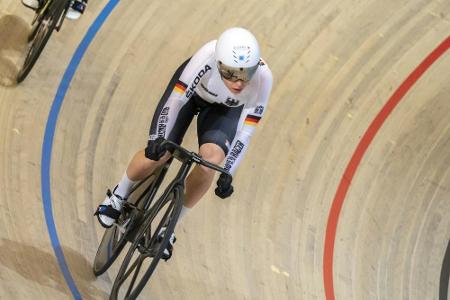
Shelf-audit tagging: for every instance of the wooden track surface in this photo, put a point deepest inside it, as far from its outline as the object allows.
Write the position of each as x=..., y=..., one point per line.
x=335, y=65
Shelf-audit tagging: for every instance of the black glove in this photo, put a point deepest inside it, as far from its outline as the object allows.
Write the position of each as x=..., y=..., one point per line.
x=224, y=188
x=154, y=150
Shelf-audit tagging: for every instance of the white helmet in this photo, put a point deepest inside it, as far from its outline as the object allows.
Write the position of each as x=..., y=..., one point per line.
x=237, y=54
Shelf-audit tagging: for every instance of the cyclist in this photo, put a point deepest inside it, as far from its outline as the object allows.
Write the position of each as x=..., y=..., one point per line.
x=227, y=85
x=75, y=11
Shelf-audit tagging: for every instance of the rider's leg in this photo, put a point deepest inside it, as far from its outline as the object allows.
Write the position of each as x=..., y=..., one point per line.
x=138, y=168
x=169, y=109
x=216, y=128
x=201, y=178
x=197, y=183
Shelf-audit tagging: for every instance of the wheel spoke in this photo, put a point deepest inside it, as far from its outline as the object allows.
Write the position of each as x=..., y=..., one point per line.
x=138, y=268
x=128, y=272
x=161, y=224
x=147, y=237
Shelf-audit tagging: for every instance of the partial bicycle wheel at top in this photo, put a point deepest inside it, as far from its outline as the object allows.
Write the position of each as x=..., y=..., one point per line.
x=47, y=19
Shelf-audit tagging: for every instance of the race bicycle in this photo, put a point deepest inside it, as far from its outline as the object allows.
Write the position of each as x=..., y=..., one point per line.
x=142, y=219
x=48, y=17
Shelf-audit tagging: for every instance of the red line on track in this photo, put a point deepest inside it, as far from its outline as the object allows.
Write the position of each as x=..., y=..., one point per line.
x=352, y=166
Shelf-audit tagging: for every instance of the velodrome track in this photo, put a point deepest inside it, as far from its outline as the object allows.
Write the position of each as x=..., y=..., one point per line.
x=344, y=193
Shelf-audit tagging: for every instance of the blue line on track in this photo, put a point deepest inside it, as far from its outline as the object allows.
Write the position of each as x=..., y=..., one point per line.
x=48, y=141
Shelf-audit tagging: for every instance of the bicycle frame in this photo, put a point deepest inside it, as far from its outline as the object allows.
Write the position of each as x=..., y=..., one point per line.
x=177, y=181
x=148, y=215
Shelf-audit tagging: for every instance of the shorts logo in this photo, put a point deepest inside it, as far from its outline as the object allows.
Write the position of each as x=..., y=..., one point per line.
x=194, y=84
x=231, y=102
x=162, y=122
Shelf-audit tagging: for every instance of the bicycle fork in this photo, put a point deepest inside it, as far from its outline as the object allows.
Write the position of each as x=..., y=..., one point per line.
x=63, y=15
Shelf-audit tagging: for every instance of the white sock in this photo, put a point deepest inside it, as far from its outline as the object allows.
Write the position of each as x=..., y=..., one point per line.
x=184, y=211
x=124, y=187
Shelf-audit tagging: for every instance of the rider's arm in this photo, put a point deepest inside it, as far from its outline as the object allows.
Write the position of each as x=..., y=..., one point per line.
x=168, y=109
x=250, y=118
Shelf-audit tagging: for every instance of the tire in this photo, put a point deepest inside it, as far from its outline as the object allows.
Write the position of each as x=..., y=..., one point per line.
x=39, y=36
x=110, y=247
x=147, y=248
x=34, y=29
x=115, y=238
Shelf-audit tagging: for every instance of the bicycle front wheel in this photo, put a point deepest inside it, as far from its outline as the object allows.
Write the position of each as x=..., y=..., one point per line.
x=115, y=238
x=147, y=249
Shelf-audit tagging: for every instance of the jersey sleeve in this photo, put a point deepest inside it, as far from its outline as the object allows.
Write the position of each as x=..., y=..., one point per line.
x=180, y=91
x=250, y=118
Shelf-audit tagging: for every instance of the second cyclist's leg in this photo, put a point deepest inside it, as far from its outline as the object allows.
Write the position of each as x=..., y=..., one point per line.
x=76, y=9
x=33, y=4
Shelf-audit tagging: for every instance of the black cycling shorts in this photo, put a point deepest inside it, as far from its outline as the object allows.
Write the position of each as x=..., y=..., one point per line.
x=216, y=123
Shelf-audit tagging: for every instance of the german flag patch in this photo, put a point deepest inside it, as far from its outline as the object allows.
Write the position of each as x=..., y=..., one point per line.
x=180, y=87
x=252, y=120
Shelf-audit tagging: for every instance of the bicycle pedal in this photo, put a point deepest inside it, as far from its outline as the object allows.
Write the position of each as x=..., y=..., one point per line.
x=166, y=258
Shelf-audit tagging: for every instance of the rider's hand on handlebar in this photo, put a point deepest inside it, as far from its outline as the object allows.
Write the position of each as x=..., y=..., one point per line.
x=155, y=150
x=224, y=188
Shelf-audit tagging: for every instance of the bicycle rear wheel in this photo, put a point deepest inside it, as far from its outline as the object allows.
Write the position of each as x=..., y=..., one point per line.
x=115, y=238
x=40, y=34
x=146, y=251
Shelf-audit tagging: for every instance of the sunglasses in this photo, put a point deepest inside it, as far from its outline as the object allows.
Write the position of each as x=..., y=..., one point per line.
x=236, y=74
